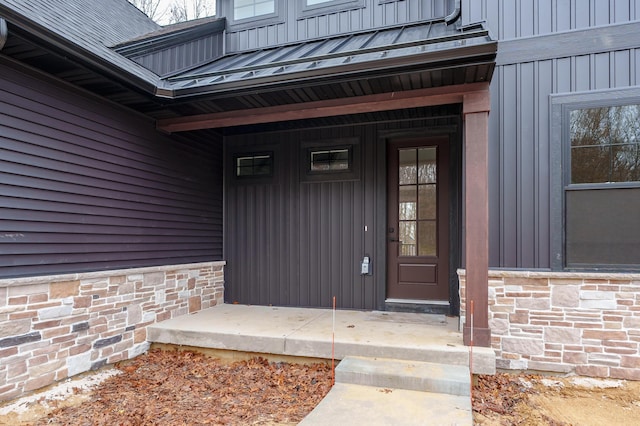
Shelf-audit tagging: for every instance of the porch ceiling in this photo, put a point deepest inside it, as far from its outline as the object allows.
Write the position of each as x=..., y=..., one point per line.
x=309, y=76
x=380, y=50
x=351, y=67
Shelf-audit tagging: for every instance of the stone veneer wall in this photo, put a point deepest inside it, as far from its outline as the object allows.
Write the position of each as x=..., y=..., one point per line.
x=55, y=327
x=573, y=323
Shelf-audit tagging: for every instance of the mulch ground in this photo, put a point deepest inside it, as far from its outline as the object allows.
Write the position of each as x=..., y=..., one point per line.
x=187, y=388
x=501, y=393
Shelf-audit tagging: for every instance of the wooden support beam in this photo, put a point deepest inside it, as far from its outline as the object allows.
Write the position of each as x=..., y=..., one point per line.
x=476, y=166
x=330, y=108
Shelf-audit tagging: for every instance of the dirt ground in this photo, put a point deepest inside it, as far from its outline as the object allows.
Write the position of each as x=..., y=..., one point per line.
x=188, y=388
x=528, y=400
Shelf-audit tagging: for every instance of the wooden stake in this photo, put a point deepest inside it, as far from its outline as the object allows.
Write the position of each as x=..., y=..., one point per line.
x=471, y=350
x=333, y=345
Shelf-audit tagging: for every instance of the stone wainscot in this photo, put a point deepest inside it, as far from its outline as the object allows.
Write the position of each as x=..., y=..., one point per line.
x=55, y=327
x=567, y=323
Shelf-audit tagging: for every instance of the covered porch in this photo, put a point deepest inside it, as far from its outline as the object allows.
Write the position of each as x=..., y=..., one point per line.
x=285, y=241
x=276, y=332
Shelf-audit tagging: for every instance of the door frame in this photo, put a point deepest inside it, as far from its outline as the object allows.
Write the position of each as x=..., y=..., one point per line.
x=455, y=136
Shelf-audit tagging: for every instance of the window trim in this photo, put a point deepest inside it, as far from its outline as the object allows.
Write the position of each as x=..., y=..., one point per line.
x=255, y=21
x=350, y=174
x=560, y=165
x=331, y=6
x=231, y=157
x=318, y=150
x=253, y=155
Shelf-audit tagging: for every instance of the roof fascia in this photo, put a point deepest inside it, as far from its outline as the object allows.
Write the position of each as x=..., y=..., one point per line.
x=430, y=60
x=362, y=51
x=51, y=41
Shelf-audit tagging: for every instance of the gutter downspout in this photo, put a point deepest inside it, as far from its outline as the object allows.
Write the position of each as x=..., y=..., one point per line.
x=455, y=15
x=4, y=32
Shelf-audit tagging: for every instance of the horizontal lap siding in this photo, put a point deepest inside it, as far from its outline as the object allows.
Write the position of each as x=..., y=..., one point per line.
x=85, y=185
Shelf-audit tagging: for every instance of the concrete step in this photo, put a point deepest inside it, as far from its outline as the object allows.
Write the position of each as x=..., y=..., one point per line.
x=402, y=374
x=349, y=404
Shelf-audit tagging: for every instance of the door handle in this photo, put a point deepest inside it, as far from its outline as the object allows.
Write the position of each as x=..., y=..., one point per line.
x=393, y=240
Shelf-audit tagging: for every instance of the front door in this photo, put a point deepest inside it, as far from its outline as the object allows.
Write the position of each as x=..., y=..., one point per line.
x=418, y=219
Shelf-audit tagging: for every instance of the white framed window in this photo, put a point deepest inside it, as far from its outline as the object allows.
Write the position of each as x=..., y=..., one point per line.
x=247, y=9
x=318, y=7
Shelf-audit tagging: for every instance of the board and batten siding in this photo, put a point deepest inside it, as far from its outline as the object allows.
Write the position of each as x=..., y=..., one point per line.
x=292, y=242
x=508, y=19
x=297, y=25
x=528, y=72
x=181, y=56
x=285, y=237
x=86, y=185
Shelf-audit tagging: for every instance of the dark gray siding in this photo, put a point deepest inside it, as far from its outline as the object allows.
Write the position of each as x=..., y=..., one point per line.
x=182, y=56
x=520, y=152
x=523, y=18
x=85, y=185
x=295, y=25
x=294, y=243
x=284, y=237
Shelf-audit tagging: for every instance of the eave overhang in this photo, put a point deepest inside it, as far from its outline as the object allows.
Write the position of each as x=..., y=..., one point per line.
x=105, y=62
x=405, y=49
x=286, y=78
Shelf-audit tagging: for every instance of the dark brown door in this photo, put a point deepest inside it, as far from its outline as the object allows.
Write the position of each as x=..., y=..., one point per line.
x=418, y=219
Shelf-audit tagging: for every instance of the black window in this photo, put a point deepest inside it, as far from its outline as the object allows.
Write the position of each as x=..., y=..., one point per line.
x=328, y=160
x=254, y=165
x=602, y=186
x=605, y=144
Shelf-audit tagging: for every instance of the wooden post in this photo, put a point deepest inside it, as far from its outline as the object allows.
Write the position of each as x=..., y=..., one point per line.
x=476, y=108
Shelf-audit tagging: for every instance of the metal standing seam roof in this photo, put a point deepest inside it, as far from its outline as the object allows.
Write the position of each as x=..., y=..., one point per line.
x=409, y=44
x=89, y=29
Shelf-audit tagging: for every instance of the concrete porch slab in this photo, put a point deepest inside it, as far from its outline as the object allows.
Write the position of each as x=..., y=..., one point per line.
x=304, y=332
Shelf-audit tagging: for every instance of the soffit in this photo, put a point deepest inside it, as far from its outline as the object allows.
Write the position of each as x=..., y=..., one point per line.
x=426, y=54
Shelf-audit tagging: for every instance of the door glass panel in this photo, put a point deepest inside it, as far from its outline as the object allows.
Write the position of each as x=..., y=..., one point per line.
x=427, y=202
x=408, y=168
x=408, y=238
x=427, y=237
x=408, y=202
x=417, y=201
x=427, y=171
